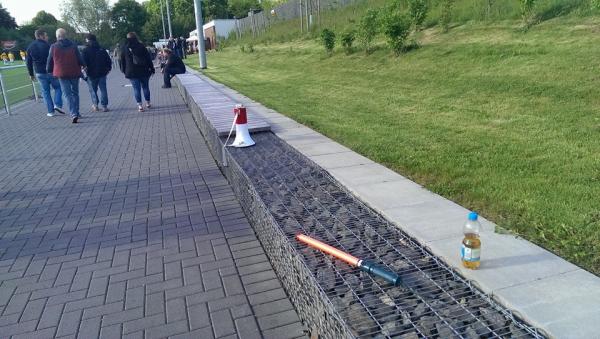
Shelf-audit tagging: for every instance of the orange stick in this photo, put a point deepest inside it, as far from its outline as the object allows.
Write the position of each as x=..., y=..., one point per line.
x=314, y=243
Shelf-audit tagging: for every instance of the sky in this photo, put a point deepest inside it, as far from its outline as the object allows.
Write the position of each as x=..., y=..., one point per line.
x=25, y=10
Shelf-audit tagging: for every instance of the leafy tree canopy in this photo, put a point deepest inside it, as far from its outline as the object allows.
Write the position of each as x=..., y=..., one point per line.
x=6, y=20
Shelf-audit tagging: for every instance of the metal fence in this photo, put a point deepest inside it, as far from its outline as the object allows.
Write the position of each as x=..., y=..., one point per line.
x=16, y=86
x=308, y=11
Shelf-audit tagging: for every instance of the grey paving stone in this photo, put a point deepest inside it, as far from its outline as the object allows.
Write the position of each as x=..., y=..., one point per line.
x=294, y=330
x=205, y=297
x=258, y=277
x=109, y=332
x=167, y=330
x=272, y=307
x=123, y=316
x=89, y=328
x=33, y=310
x=19, y=328
x=155, y=303
x=247, y=328
x=69, y=323
x=204, y=333
x=134, y=297
x=176, y=310
x=50, y=316
x=211, y=280
x=102, y=310
x=39, y=334
x=143, y=323
x=255, y=268
x=222, y=323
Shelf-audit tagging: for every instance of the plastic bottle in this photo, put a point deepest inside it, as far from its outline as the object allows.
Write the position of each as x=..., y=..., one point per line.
x=471, y=245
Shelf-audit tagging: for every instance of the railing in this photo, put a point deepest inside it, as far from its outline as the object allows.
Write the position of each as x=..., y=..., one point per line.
x=16, y=86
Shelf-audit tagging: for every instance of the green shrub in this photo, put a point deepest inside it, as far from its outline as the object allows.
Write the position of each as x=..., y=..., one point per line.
x=368, y=27
x=418, y=12
x=446, y=14
x=328, y=40
x=396, y=27
x=527, y=13
x=595, y=4
x=347, y=40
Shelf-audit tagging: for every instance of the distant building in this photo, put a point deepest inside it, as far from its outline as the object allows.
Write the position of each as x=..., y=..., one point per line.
x=213, y=31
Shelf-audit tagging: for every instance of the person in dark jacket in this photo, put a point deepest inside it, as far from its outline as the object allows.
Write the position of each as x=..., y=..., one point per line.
x=65, y=63
x=173, y=67
x=172, y=43
x=184, y=47
x=37, y=58
x=137, y=66
x=98, y=66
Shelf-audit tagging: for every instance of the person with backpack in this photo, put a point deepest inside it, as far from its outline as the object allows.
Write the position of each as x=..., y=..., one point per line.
x=173, y=67
x=98, y=66
x=65, y=63
x=137, y=66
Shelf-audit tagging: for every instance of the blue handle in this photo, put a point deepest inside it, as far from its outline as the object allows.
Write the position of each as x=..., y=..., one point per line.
x=372, y=268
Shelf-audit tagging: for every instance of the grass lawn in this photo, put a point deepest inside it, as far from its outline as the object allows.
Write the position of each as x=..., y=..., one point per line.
x=18, y=84
x=503, y=122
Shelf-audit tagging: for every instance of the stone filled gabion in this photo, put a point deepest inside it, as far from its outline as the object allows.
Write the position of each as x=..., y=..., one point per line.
x=283, y=193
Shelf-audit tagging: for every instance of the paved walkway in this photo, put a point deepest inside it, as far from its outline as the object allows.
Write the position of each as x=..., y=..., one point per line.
x=123, y=226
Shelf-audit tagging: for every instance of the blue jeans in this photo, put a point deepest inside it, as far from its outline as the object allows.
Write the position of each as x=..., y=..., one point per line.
x=70, y=87
x=138, y=84
x=47, y=80
x=93, y=84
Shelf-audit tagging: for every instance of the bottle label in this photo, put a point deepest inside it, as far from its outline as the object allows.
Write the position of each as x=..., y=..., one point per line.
x=470, y=254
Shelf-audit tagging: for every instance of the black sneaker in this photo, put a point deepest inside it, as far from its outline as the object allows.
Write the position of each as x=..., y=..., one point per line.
x=59, y=110
x=74, y=120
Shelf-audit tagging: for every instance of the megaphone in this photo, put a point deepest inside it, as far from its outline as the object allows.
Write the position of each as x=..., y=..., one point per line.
x=242, y=136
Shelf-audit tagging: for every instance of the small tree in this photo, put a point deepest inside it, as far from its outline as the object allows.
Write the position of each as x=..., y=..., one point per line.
x=446, y=15
x=347, y=39
x=418, y=12
x=527, y=12
x=368, y=28
x=328, y=40
x=396, y=27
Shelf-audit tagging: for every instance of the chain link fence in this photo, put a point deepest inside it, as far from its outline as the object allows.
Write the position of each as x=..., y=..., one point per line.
x=308, y=11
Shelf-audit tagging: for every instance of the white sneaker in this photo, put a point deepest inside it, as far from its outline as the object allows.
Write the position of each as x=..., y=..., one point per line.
x=50, y=114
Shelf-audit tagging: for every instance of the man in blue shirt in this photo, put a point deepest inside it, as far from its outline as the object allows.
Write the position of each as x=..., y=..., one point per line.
x=37, y=56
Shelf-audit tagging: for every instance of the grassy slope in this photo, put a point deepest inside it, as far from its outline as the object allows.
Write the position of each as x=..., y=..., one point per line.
x=502, y=122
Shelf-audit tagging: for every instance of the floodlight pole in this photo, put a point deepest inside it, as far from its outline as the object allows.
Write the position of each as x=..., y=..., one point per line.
x=169, y=19
x=162, y=17
x=200, y=30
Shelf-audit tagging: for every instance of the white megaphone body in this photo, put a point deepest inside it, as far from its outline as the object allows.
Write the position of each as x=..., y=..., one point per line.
x=242, y=136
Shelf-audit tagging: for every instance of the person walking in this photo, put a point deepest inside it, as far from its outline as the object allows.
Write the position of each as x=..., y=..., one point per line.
x=137, y=66
x=172, y=43
x=185, y=47
x=173, y=67
x=65, y=63
x=98, y=66
x=36, y=61
x=117, y=55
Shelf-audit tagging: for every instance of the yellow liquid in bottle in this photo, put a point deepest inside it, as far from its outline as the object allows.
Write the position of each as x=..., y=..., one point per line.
x=472, y=242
